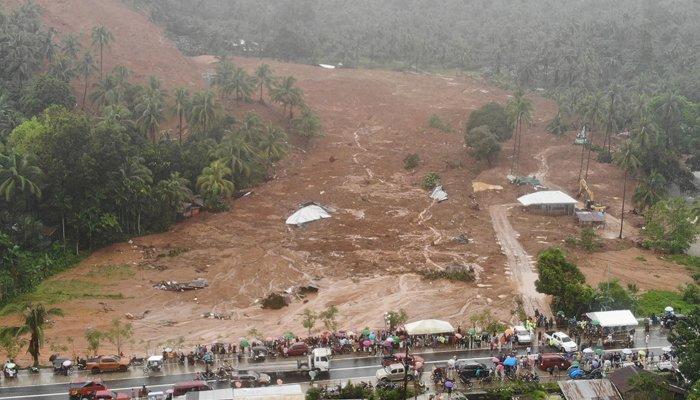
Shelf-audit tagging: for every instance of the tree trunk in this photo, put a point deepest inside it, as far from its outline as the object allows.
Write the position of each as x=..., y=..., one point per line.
x=84, y=93
x=179, y=126
x=624, y=194
x=580, y=168
x=261, y=99
x=100, y=61
x=515, y=143
x=63, y=228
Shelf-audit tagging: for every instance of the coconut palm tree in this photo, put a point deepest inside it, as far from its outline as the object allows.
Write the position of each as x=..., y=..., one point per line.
x=149, y=113
x=520, y=112
x=237, y=152
x=285, y=93
x=273, y=144
x=173, y=192
x=251, y=128
x=63, y=68
x=85, y=68
x=106, y=92
x=70, y=46
x=101, y=38
x=626, y=159
x=213, y=182
x=263, y=78
x=36, y=317
x=240, y=85
x=18, y=175
x=182, y=103
x=203, y=111
x=308, y=125
x=670, y=113
x=650, y=190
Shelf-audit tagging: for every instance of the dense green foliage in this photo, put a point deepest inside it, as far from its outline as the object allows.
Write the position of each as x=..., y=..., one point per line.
x=566, y=284
x=495, y=117
x=484, y=144
x=76, y=175
x=685, y=338
x=671, y=226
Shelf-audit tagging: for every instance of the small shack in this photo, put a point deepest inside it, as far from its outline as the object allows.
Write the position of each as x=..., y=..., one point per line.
x=590, y=218
x=552, y=202
x=589, y=389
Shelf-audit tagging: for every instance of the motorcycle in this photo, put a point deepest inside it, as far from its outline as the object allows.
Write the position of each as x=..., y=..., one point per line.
x=10, y=370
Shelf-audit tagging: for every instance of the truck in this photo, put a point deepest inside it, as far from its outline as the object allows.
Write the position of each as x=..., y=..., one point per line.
x=319, y=361
x=561, y=341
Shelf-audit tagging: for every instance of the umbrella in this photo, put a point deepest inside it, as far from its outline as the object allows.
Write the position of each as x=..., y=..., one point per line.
x=509, y=331
x=458, y=336
x=588, y=350
x=666, y=349
x=390, y=340
x=627, y=351
x=372, y=336
x=668, y=309
x=366, y=342
x=599, y=351
x=418, y=365
x=575, y=364
x=67, y=363
x=366, y=332
x=472, y=331
x=449, y=384
x=510, y=362
x=168, y=350
x=395, y=338
x=350, y=333
x=288, y=335
x=495, y=360
x=244, y=343
x=642, y=353
x=269, y=339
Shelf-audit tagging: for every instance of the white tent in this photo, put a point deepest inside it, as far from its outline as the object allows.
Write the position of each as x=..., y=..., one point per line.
x=546, y=197
x=429, y=327
x=612, y=319
x=438, y=194
x=311, y=212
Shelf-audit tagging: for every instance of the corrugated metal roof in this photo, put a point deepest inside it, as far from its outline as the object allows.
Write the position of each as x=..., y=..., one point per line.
x=546, y=197
x=592, y=389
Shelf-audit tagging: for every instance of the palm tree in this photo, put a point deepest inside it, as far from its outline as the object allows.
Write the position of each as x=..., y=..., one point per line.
x=238, y=153
x=203, y=111
x=182, y=103
x=273, y=145
x=308, y=125
x=62, y=68
x=520, y=111
x=134, y=181
x=649, y=191
x=626, y=159
x=106, y=92
x=70, y=46
x=173, y=192
x=240, y=84
x=17, y=173
x=251, y=128
x=670, y=112
x=286, y=94
x=149, y=112
x=86, y=68
x=213, y=184
x=36, y=317
x=263, y=77
x=223, y=74
x=101, y=38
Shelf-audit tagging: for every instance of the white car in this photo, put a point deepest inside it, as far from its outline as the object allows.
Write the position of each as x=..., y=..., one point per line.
x=522, y=335
x=394, y=373
x=562, y=341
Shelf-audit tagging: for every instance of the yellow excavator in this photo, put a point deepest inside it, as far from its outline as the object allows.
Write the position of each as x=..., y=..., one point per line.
x=588, y=197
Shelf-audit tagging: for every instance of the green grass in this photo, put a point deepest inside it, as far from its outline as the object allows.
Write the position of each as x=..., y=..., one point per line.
x=436, y=122
x=111, y=272
x=57, y=291
x=654, y=302
x=692, y=262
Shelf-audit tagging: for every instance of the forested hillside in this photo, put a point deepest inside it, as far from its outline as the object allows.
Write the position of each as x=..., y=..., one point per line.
x=85, y=155
x=615, y=66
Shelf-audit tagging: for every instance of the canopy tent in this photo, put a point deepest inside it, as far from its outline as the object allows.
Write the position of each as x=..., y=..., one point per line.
x=546, y=197
x=308, y=213
x=429, y=327
x=438, y=194
x=612, y=319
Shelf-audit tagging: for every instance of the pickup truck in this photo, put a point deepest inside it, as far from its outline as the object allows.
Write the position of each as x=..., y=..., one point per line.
x=561, y=341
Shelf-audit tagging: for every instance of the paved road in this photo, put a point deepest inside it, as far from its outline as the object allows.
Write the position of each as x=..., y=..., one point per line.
x=343, y=369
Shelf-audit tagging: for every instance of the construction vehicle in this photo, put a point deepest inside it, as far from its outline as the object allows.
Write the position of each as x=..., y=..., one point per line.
x=588, y=197
x=582, y=136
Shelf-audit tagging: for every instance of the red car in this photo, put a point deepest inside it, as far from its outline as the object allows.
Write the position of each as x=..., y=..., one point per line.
x=298, y=349
x=398, y=359
x=110, y=395
x=549, y=361
x=84, y=389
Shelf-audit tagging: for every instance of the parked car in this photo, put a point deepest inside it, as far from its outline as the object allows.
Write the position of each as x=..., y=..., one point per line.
x=298, y=349
x=84, y=389
x=393, y=373
x=107, y=364
x=549, y=361
x=561, y=341
x=110, y=395
x=522, y=335
x=182, y=388
x=250, y=378
x=470, y=368
x=342, y=349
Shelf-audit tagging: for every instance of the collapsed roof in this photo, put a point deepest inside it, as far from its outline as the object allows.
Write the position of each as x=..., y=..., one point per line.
x=308, y=213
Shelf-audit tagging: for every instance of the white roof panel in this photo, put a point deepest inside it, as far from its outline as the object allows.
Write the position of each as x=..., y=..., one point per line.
x=429, y=327
x=546, y=197
x=611, y=319
x=306, y=214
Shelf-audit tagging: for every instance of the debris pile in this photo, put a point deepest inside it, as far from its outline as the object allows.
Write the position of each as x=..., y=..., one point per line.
x=277, y=300
x=173, y=286
x=213, y=315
